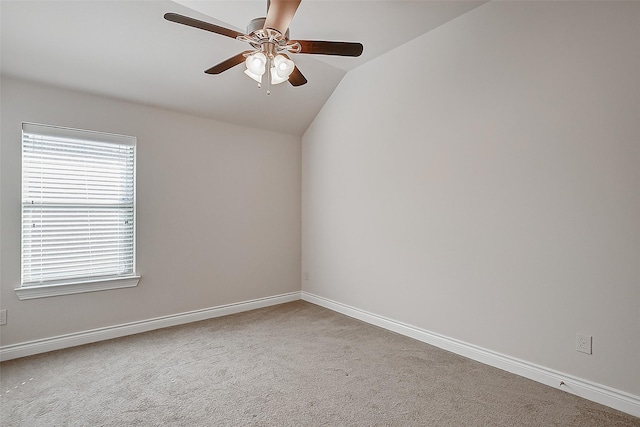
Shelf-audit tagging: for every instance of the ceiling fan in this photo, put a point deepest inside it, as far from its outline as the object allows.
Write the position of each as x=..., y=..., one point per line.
x=270, y=43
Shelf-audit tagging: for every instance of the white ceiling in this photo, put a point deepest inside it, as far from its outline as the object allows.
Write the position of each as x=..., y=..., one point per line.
x=125, y=49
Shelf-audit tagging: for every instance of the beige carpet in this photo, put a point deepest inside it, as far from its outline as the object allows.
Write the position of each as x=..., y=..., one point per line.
x=296, y=364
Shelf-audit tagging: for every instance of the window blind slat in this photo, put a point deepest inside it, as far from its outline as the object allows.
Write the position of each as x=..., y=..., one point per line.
x=75, y=263
x=78, y=192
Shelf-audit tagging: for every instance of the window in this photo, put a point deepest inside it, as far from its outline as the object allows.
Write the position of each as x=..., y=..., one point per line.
x=78, y=211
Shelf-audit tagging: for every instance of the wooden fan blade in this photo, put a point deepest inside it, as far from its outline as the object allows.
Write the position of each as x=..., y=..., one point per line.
x=296, y=78
x=280, y=14
x=229, y=63
x=191, y=22
x=320, y=47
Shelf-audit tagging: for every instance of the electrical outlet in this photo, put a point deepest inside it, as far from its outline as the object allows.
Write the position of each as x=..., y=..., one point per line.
x=3, y=317
x=583, y=343
x=306, y=276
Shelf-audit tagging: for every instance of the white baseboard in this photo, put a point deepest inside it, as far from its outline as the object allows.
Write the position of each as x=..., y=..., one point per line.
x=29, y=348
x=602, y=394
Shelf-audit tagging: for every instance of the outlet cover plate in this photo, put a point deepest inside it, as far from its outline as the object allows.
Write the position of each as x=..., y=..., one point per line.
x=3, y=317
x=583, y=343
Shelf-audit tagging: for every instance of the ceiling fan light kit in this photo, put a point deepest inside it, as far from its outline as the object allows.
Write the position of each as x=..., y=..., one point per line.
x=269, y=39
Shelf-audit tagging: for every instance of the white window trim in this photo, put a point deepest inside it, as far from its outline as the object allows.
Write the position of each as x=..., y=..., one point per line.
x=68, y=288
x=90, y=284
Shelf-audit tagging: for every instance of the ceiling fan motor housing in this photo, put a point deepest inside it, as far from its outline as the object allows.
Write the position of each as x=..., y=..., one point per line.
x=258, y=24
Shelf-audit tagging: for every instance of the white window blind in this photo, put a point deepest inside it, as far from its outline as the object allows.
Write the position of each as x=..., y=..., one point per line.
x=78, y=201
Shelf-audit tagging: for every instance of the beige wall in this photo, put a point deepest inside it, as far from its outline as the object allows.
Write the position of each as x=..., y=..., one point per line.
x=483, y=182
x=218, y=213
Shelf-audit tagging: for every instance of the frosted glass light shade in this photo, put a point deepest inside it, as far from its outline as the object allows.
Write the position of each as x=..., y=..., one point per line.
x=281, y=70
x=253, y=76
x=256, y=66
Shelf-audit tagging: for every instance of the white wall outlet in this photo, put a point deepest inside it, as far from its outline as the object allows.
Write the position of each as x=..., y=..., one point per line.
x=583, y=343
x=3, y=317
x=306, y=276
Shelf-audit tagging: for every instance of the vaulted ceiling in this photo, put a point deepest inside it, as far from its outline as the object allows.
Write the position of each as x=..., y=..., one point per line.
x=126, y=50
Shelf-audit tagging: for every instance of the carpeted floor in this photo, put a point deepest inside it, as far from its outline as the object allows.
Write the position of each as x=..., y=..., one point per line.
x=296, y=364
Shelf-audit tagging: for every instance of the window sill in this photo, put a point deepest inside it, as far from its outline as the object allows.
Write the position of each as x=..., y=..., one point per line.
x=44, y=291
